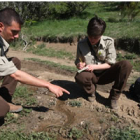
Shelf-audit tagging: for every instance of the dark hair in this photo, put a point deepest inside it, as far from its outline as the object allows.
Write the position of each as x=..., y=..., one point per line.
x=7, y=15
x=96, y=26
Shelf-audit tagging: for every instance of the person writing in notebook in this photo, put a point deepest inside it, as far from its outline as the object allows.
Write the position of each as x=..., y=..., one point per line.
x=97, y=53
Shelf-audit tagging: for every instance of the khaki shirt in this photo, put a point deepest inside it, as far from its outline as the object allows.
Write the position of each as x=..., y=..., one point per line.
x=105, y=52
x=6, y=67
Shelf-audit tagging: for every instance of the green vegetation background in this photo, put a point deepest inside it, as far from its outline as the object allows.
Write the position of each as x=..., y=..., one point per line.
x=119, y=25
x=118, y=22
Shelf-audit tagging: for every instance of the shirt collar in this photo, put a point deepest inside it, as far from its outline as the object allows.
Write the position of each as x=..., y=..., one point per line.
x=5, y=43
x=102, y=42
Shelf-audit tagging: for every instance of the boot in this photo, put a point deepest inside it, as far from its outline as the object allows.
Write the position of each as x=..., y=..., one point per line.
x=15, y=108
x=92, y=97
x=113, y=99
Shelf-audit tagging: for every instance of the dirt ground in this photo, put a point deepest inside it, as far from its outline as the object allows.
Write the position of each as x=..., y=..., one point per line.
x=56, y=115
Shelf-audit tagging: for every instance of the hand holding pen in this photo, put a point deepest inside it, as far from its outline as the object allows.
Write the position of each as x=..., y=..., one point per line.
x=81, y=64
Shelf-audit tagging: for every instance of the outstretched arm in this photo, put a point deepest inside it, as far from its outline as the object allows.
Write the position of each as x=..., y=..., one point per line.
x=33, y=81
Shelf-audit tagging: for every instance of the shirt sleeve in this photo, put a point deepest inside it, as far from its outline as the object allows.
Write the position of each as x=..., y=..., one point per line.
x=6, y=67
x=79, y=55
x=111, y=53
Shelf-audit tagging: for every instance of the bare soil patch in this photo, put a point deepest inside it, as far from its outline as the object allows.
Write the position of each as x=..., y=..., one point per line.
x=56, y=115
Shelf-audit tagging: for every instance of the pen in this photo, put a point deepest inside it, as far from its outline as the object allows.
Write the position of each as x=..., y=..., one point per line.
x=80, y=59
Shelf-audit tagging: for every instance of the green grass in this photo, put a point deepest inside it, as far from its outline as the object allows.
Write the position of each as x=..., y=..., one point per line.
x=44, y=51
x=127, y=56
x=18, y=135
x=10, y=119
x=23, y=95
x=75, y=133
x=57, y=28
x=132, y=58
x=75, y=103
x=77, y=26
x=123, y=30
x=22, y=92
x=136, y=65
x=56, y=65
x=126, y=133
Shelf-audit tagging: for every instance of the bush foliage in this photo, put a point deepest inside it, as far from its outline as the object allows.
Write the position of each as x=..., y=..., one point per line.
x=36, y=11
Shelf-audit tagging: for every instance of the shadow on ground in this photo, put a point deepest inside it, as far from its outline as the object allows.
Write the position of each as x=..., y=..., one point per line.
x=76, y=91
x=38, y=108
x=132, y=96
x=101, y=99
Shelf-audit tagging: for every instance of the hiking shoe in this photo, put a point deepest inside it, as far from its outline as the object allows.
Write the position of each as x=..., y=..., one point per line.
x=91, y=97
x=114, y=104
x=15, y=108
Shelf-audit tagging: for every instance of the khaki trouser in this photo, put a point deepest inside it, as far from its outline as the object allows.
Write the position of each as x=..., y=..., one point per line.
x=118, y=73
x=9, y=84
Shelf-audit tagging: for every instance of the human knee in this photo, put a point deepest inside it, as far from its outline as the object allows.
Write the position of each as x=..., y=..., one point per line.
x=83, y=77
x=126, y=65
x=4, y=108
x=3, y=113
x=17, y=62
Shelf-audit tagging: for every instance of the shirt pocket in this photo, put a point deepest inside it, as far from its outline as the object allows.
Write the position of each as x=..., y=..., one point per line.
x=89, y=58
x=101, y=54
x=3, y=60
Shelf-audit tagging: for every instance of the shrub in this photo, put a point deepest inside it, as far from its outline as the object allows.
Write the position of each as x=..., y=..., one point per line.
x=75, y=103
x=127, y=133
x=75, y=133
x=111, y=19
x=64, y=10
x=130, y=56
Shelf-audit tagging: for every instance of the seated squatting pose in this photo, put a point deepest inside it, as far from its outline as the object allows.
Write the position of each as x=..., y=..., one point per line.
x=10, y=73
x=98, y=54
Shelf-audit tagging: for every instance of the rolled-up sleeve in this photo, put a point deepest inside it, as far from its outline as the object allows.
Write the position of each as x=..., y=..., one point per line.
x=6, y=67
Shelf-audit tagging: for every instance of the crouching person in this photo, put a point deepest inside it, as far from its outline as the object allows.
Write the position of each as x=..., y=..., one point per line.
x=10, y=27
x=97, y=53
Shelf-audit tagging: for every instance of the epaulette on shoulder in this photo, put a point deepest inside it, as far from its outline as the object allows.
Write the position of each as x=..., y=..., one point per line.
x=105, y=38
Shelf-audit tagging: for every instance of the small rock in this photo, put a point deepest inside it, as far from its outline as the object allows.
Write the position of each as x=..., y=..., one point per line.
x=40, y=117
x=82, y=122
x=15, y=115
x=38, y=97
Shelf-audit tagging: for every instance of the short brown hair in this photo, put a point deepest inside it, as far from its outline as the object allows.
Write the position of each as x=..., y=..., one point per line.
x=96, y=26
x=7, y=15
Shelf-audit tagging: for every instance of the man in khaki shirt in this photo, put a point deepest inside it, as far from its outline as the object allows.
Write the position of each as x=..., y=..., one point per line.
x=96, y=63
x=10, y=26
